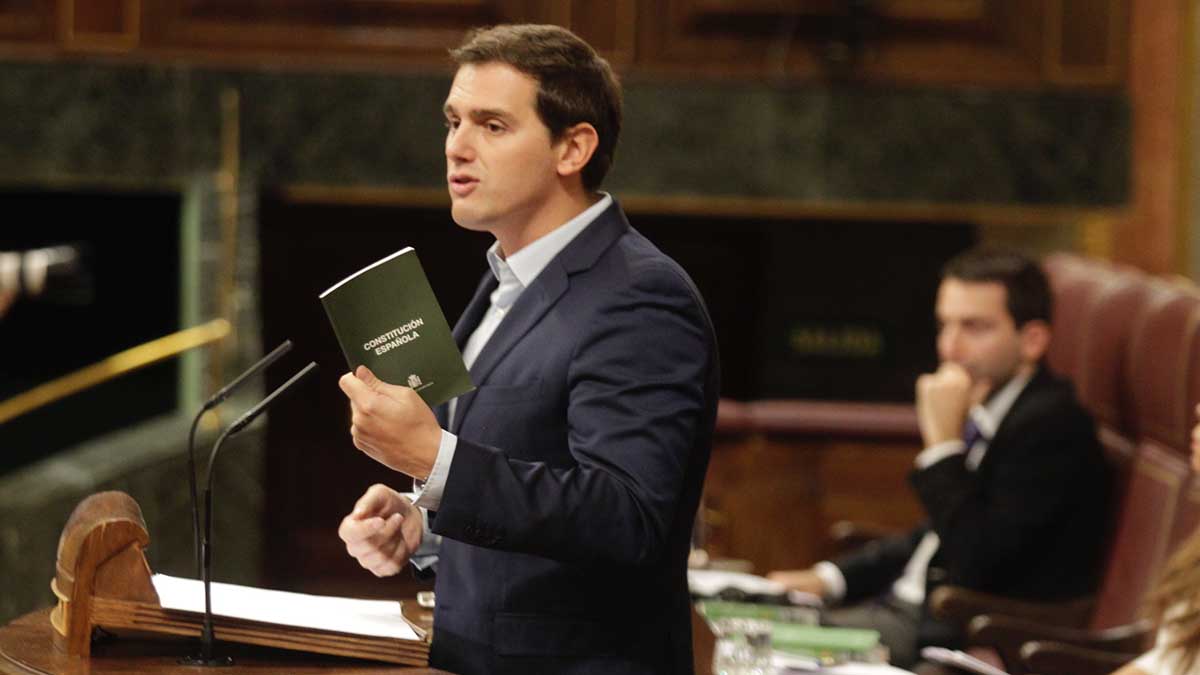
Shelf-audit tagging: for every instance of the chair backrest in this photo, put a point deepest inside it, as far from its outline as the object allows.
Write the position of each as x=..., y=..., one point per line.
x=1151, y=512
x=1073, y=285
x=1103, y=313
x=1158, y=366
x=1104, y=349
x=1142, y=538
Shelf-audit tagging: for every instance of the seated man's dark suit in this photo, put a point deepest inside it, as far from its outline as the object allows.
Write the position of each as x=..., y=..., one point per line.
x=569, y=503
x=1030, y=522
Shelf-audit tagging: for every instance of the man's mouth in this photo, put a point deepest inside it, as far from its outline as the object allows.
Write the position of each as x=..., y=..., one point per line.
x=462, y=184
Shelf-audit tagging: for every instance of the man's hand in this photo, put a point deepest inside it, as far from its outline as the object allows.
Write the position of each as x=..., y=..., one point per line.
x=805, y=581
x=382, y=531
x=391, y=423
x=943, y=400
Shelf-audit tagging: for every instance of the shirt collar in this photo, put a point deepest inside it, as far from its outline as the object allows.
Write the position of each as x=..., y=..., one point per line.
x=989, y=415
x=529, y=262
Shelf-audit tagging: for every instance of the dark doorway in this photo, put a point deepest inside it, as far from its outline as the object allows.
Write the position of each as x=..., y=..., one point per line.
x=128, y=295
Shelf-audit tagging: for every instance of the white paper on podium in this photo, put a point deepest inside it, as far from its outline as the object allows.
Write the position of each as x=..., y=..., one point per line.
x=712, y=582
x=376, y=618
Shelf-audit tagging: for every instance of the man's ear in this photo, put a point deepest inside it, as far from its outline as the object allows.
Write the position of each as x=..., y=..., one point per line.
x=576, y=147
x=1035, y=340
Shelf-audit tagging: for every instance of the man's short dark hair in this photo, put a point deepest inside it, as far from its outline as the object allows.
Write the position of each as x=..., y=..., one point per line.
x=1028, y=289
x=575, y=84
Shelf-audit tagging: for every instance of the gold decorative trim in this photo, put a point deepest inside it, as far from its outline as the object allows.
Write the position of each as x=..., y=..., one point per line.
x=118, y=364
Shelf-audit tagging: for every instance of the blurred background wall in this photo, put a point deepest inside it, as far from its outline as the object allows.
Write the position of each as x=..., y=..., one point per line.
x=811, y=162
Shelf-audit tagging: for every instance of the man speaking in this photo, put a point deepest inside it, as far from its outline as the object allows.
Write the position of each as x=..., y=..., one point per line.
x=565, y=486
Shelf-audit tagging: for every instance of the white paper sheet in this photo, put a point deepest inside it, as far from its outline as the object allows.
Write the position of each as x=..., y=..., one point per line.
x=711, y=582
x=377, y=618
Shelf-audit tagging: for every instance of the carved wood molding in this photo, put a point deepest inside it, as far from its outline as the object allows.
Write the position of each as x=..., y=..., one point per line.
x=100, y=25
x=1086, y=41
x=396, y=26
x=26, y=20
x=940, y=42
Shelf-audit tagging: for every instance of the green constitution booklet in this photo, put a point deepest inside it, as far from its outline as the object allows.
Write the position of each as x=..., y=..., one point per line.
x=386, y=318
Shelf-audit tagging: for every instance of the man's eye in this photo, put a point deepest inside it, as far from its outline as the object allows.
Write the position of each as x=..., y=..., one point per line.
x=495, y=127
x=451, y=124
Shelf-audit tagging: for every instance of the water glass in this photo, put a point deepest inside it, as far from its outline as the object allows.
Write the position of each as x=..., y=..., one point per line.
x=743, y=647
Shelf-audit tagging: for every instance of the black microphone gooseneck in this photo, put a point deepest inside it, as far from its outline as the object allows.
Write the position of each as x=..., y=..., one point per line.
x=211, y=403
x=206, y=643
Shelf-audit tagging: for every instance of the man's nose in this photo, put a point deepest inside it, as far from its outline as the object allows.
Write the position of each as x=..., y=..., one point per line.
x=949, y=345
x=459, y=147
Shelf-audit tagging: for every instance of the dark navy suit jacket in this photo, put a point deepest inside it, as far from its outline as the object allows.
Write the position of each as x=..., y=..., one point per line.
x=568, y=507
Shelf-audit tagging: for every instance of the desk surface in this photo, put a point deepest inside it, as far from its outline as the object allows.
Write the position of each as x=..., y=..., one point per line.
x=26, y=646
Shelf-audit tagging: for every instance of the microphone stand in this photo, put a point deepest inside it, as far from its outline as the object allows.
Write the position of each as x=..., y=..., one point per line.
x=211, y=403
x=206, y=657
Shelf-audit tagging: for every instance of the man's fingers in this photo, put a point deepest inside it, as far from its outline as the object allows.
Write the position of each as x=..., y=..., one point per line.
x=378, y=500
x=372, y=534
x=353, y=530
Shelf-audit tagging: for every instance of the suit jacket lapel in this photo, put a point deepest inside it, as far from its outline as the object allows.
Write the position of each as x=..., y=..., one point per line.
x=536, y=300
x=475, y=310
x=1039, y=380
x=463, y=328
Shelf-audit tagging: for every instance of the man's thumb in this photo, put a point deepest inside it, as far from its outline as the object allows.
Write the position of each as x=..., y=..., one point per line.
x=368, y=378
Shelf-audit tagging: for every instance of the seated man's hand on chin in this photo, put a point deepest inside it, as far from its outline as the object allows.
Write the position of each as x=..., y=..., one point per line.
x=383, y=530
x=943, y=399
x=805, y=581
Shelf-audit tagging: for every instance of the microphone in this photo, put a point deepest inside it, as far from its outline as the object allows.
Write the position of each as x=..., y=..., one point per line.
x=206, y=657
x=215, y=400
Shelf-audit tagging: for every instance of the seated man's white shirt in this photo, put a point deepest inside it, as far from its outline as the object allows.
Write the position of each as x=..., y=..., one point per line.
x=910, y=587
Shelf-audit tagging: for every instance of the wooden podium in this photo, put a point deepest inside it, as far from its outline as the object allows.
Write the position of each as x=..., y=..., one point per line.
x=108, y=617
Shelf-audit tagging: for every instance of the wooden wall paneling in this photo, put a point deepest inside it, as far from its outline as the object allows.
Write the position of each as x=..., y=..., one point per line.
x=396, y=31
x=27, y=20
x=100, y=25
x=762, y=504
x=1148, y=238
x=771, y=499
x=992, y=42
x=1086, y=41
x=946, y=41
x=867, y=482
x=715, y=37
x=610, y=27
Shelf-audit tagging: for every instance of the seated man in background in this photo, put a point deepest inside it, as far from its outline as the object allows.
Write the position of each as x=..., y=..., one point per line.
x=1012, y=477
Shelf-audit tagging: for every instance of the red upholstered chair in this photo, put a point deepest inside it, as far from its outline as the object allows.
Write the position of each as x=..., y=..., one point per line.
x=1104, y=352
x=1187, y=519
x=1161, y=349
x=1110, y=318
x=1139, y=548
x=1074, y=285
x=1157, y=511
